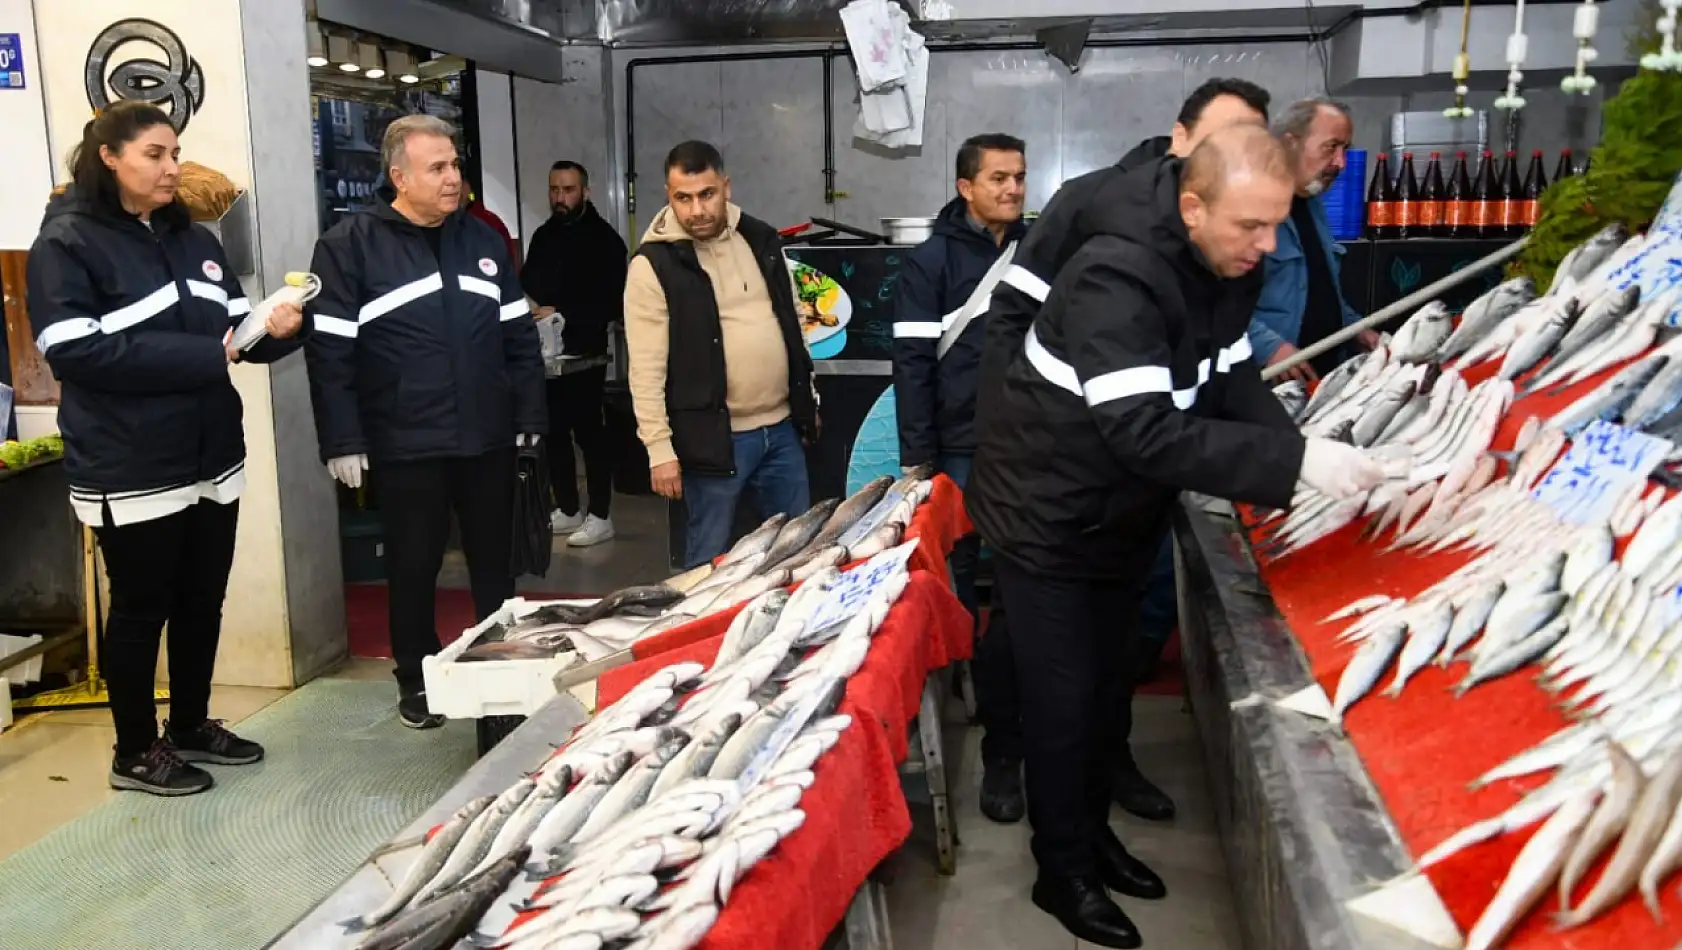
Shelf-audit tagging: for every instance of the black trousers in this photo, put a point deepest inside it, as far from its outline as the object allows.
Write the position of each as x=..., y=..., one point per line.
x=1071, y=642
x=172, y=570
x=416, y=499
x=994, y=668
x=575, y=406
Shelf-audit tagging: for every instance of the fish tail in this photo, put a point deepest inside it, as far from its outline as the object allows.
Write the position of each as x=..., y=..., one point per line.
x=1650, y=897
x=354, y=925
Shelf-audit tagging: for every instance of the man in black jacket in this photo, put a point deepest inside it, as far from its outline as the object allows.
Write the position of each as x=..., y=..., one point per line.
x=425, y=366
x=942, y=289
x=1060, y=230
x=1134, y=383
x=575, y=273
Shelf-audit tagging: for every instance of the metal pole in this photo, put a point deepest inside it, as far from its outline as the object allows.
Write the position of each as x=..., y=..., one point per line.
x=1418, y=298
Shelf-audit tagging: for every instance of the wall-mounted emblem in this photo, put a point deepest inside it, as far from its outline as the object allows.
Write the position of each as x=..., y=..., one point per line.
x=114, y=73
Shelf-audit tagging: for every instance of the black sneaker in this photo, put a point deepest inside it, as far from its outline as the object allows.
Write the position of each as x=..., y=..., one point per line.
x=1001, y=791
x=158, y=772
x=413, y=712
x=212, y=742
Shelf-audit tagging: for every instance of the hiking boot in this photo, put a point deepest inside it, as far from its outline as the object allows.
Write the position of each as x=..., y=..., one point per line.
x=212, y=742
x=413, y=711
x=159, y=771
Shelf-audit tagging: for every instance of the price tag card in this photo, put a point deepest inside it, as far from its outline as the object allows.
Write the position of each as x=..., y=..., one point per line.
x=1597, y=471
x=853, y=591
x=11, y=61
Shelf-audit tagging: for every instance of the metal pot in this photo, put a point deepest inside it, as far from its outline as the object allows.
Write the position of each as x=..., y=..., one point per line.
x=908, y=230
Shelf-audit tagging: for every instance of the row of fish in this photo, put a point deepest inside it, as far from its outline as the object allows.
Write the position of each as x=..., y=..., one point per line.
x=780, y=552
x=640, y=826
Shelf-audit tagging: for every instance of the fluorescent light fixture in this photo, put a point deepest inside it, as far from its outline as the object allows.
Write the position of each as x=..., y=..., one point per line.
x=317, y=47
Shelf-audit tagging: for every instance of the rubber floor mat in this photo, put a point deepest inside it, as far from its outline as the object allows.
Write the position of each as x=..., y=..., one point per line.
x=233, y=867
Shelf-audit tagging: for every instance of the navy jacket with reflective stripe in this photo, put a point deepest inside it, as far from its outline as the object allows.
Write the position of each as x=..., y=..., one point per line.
x=934, y=397
x=1133, y=382
x=131, y=320
x=414, y=356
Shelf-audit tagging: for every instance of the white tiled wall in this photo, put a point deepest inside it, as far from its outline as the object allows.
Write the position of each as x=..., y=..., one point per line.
x=766, y=117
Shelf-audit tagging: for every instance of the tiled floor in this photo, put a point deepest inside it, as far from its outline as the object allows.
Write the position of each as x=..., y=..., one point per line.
x=636, y=555
x=985, y=906
x=53, y=765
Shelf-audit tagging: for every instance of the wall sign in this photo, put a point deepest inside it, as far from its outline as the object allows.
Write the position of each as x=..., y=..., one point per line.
x=11, y=61
x=176, y=85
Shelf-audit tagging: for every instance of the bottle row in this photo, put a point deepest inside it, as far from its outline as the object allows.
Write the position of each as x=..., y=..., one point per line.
x=1492, y=202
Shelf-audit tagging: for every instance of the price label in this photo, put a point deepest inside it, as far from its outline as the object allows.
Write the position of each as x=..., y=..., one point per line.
x=849, y=595
x=11, y=61
x=1597, y=471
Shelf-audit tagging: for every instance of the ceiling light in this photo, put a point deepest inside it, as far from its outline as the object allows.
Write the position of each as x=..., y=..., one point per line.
x=401, y=63
x=342, y=51
x=369, y=58
x=317, y=47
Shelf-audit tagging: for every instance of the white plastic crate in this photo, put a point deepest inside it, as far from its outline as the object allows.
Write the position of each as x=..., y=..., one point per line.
x=493, y=687
x=30, y=670
x=5, y=704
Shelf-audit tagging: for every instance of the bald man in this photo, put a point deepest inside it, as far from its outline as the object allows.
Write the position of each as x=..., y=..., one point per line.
x=1135, y=382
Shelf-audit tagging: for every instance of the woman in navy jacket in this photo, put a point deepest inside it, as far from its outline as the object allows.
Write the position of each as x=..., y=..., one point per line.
x=133, y=306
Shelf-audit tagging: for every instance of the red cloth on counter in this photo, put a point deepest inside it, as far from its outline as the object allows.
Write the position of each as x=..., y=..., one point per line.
x=937, y=524
x=855, y=811
x=1423, y=748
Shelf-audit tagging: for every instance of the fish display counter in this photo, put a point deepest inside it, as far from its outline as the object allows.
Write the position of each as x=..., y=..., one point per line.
x=735, y=792
x=1443, y=713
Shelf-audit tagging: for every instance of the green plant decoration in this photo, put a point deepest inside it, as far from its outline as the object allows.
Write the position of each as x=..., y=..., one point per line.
x=1630, y=172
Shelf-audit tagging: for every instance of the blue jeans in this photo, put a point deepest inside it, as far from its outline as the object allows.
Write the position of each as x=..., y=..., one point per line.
x=1159, y=609
x=771, y=461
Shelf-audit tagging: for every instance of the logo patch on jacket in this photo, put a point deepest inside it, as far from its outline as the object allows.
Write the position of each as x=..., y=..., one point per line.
x=213, y=270
x=488, y=266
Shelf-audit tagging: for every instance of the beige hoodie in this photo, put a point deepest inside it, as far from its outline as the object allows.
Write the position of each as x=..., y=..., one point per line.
x=756, y=364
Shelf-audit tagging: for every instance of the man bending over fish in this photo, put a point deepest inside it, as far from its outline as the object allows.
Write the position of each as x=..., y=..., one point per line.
x=1101, y=419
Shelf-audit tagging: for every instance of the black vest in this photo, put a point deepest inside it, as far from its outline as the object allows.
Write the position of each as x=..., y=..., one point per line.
x=695, y=371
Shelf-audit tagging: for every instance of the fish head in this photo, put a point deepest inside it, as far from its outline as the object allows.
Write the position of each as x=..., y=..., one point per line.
x=1434, y=312
x=614, y=768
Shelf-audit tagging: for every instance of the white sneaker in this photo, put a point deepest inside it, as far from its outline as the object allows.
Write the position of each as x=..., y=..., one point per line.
x=563, y=523
x=595, y=531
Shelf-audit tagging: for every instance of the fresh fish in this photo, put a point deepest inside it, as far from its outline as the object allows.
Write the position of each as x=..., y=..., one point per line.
x=680, y=928
x=1533, y=871
x=1584, y=259
x=1646, y=825
x=1605, y=314
x=799, y=532
x=746, y=742
x=1331, y=387
x=1591, y=552
x=632, y=790
x=1427, y=632
x=507, y=650
x=476, y=842
x=646, y=595
x=1469, y=620
x=1367, y=666
x=697, y=758
x=1530, y=349
x=832, y=556
x=1609, y=820
x=721, y=579
x=426, y=867
x=1514, y=655
x=1293, y=395
x=568, y=816
x=1423, y=334
x=1666, y=858
x=1631, y=338
x=1661, y=395
x=1484, y=313
x=758, y=541
x=850, y=512
x=441, y=922
x=1359, y=606
x=750, y=588
x=1607, y=401
x=752, y=625
x=1380, y=414
x=877, y=541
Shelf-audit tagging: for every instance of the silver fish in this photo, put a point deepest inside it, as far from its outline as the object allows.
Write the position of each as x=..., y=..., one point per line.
x=1584, y=259
x=747, y=740
x=1600, y=317
x=1609, y=819
x=1666, y=857
x=1367, y=666
x=1331, y=387
x=877, y=541
x=1661, y=394
x=1530, y=349
x=632, y=790
x=1423, y=334
x=1513, y=656
x=569, y=815
x=1379, y=415
x=751, y=626
x=697, y=758
x=1293, y=395
x=1607, y=401
x=426, y=867
x=799, y=532
x=476, y=842
x=1426, y=635
x=749, y=588
x=1535, y=868
x=1469, y=620
x=757, y=541
x=1484, y=313
x=1646, y=825
x=445, y=920
x=850, y=512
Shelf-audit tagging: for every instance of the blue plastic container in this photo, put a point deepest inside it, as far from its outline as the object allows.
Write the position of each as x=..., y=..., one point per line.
x=1345, y=202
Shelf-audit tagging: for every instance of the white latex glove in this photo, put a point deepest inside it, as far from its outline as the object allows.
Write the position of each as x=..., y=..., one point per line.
x=1338, y=470
x=348, y=469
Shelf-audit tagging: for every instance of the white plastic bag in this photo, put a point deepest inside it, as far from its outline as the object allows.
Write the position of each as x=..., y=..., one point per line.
x=300, y=289
x=5, y=410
